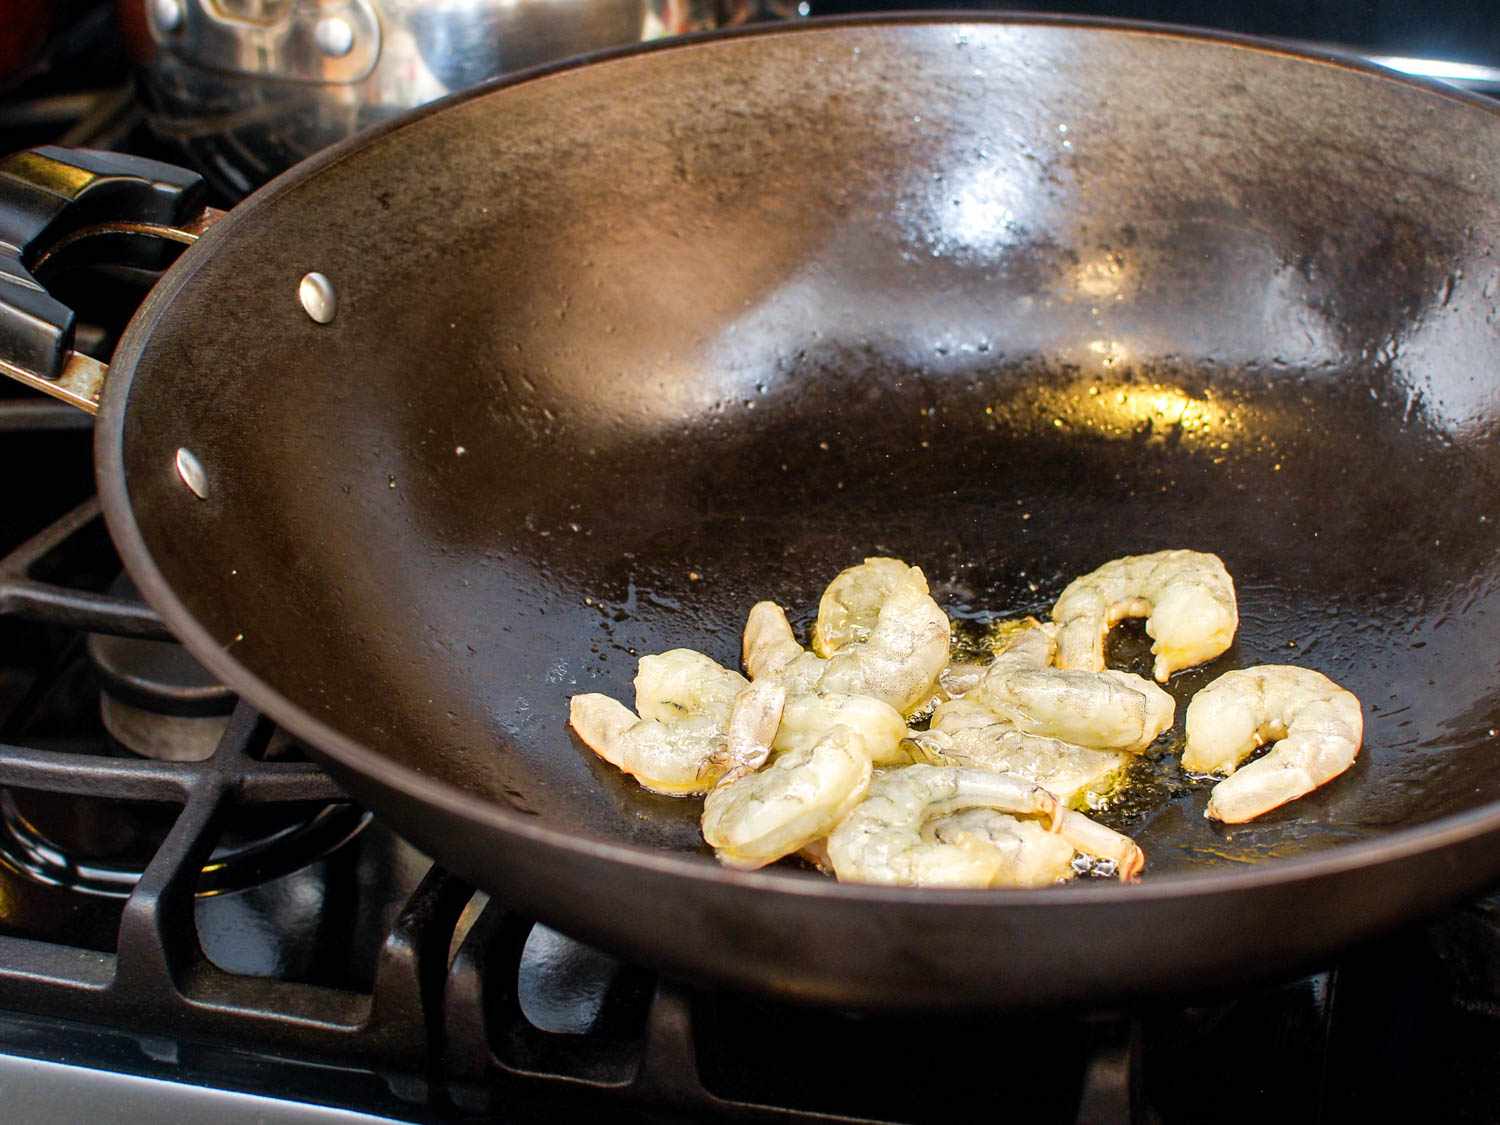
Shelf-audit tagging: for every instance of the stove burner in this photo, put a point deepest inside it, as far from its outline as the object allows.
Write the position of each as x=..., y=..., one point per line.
x=264, y=848
x=156, y=700
x=153, y=701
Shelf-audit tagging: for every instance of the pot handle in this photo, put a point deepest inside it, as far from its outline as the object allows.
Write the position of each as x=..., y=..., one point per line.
x=55, y=203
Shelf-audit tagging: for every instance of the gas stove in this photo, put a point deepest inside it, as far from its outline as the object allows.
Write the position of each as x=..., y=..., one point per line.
x=195, y=922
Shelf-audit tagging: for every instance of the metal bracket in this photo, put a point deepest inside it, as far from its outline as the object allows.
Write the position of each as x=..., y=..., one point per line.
x=80, y=384
x=52, y=199
x=82, y=379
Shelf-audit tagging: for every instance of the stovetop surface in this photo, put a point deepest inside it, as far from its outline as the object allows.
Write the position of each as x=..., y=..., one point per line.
x=210, y=930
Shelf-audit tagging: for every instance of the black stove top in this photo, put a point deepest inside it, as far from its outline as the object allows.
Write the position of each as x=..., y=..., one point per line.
x=194, y=921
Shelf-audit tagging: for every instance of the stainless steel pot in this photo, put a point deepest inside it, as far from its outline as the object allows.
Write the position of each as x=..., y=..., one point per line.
x=247, y=88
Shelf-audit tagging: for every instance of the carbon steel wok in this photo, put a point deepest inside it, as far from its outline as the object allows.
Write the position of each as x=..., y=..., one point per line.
x=620, y=348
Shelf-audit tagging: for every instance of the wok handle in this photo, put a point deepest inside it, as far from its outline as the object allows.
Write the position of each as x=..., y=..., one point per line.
x=54, y=203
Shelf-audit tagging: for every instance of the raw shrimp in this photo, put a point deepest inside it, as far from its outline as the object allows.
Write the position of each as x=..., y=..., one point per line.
x=754, y=719
x=1316, y=724
x=769, y=646
x=1030, y=644
x=1036, y=857
x=825, y=745
x=1186, y=597
x=807, y=718
x=955, y=715
x=893, y=652
x=1066, y=771
x=882, y=840
x=752, y=819
x=1026, y=854
x=680, y=743
x=1106, y=710
x=958, y=678
x=850, y=606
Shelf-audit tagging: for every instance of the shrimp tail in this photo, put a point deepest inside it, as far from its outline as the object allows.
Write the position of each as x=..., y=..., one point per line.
x=752, y=728
x=599, y=721
x=769, y=643
x=1095, y=839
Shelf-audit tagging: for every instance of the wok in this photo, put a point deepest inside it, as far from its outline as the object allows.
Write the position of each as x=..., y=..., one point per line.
x=618, y=348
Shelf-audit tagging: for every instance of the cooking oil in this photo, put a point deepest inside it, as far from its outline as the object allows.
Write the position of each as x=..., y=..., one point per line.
x=980, y=640
x=1147, y=782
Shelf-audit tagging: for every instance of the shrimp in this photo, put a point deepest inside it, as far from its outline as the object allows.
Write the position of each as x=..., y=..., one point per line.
x=752, y=819
x=882, y=840
x=1032, y=644
x=1036, y=857
x=850, y=607
x=1318, y=724
x=816, y=854
x=959, y=678
x=1027, y=854
x=769, y=646
x=893, y=652
x=1066, y=771
x=955, y=715
x=681, y=742
x=1106, y=710
x=1186, y=597
x=1089, y=837
x=807, y=718
x=1066, y=731
x=754, y=719
x=826, y=743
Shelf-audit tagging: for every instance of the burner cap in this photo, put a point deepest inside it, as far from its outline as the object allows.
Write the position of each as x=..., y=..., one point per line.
x=157, y=676
x=156, y=699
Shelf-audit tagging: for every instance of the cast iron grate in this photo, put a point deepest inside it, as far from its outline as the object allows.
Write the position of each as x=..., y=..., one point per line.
x=701, y=1055
x=158, y=979
x=430, y=1014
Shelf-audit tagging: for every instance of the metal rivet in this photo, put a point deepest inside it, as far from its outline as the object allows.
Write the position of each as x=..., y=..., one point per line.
x=318, y=298
x=334, y=37
x=190, y=469
x=167, y=14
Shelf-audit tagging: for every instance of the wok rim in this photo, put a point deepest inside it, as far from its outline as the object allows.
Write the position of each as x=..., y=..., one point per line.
x=360, y=759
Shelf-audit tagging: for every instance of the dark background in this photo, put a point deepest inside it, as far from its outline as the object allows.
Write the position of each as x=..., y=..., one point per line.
x=1457, y=31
